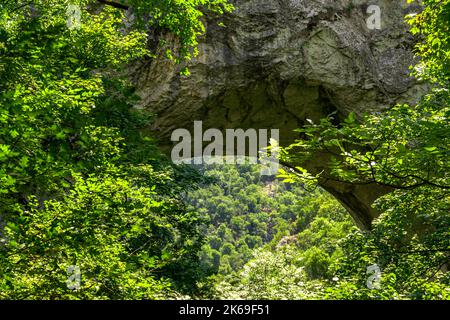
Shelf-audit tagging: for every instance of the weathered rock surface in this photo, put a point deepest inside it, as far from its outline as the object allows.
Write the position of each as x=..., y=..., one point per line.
x=277, y=63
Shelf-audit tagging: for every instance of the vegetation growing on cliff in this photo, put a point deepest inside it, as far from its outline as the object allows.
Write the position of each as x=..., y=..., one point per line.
x=406, y=149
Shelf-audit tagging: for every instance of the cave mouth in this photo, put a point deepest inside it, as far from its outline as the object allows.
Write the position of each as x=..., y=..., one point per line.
x=264, y=104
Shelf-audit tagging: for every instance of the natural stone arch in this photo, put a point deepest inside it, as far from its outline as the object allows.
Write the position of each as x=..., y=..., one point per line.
x=280, y=62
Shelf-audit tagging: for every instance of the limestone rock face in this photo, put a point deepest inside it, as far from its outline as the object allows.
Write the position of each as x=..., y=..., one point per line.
x=276, y=63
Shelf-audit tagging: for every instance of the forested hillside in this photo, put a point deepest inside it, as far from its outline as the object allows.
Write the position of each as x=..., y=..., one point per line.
x=92, y=207
x=265, y=239
x=245, y=211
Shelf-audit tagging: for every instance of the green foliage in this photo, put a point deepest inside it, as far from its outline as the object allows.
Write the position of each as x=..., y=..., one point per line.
x=118, y=235
x=241, y=210
x=403, y=148
x=412, y=257
x=182, y=18
x=433, y=25
x=269, y=275
x=406, y=149
x=81, y=184
x=289, y=264
x=245, y=211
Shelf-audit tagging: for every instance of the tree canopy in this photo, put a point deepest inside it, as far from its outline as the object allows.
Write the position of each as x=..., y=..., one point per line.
x=80, y=183
x=407, y=150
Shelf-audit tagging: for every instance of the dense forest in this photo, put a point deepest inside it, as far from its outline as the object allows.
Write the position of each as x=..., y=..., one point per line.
x=91, y=208
x=265, y=239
